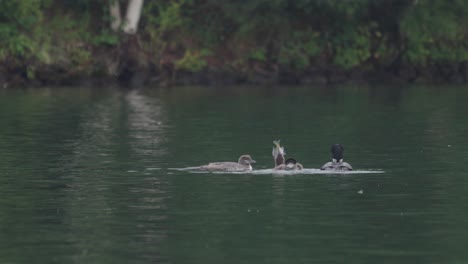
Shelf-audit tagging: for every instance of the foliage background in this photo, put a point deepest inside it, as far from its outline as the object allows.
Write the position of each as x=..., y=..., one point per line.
x=280, y=40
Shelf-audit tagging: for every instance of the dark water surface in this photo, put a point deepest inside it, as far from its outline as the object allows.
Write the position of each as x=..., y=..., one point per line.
x=85, y=178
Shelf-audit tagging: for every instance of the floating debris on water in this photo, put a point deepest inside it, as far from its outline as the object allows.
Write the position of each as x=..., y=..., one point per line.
x=153, y=168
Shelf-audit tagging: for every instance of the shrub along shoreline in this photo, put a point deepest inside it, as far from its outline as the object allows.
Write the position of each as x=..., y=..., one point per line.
x=52, y=42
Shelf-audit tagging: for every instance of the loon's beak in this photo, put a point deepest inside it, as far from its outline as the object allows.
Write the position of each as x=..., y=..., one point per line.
x=252, y=161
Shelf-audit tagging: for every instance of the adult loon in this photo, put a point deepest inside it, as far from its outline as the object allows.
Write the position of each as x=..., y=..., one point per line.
x=280, y=163
x=337, y=162
x=244, y=164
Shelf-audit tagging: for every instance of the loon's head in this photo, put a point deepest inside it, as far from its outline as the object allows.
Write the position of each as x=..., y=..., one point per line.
x=246, y=160
x=278, y=153
x=290, y=163
x=337, y=152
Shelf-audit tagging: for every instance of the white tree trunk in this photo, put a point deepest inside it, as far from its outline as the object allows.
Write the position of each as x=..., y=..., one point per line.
x=133, y=16
x=116, y=18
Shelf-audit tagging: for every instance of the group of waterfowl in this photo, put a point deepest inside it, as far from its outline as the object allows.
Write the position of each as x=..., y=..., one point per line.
x=245, y=162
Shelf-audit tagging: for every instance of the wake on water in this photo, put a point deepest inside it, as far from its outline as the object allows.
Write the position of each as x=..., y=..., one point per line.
x=277, y=172
x=313, y=171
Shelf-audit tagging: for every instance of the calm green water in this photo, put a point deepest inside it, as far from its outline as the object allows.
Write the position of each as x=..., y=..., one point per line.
x=85, y=178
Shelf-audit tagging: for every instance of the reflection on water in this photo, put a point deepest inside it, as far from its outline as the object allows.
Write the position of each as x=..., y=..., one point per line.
x=145, y=124
x=85, y=175
x=119, y=130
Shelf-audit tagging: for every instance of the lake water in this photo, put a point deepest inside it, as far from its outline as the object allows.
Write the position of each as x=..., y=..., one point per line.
x=85, y=175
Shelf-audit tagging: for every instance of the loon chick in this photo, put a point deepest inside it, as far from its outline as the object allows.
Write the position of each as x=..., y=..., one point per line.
x=337, y=162
x=278, y=153
x=290, y=164
x=242, y=165
x=280, y=163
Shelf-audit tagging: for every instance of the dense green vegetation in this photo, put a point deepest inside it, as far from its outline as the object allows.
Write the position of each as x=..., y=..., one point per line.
x=275, y=40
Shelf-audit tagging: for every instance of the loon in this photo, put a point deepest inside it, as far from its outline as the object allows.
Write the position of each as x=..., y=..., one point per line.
x=290, y=164
x=242, y=165
x=337, y=162
x=280, y=163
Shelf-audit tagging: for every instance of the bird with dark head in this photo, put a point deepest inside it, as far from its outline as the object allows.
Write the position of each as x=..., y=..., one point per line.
x=337, y=162
x=280, y=162
x=292, y=164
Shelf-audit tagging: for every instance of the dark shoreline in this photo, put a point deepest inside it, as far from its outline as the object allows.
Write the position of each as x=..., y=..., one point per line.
x=146, y=77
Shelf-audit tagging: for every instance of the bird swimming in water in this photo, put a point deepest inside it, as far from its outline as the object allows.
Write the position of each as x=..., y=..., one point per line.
x=280, y=162
x=337, y=162
x=243, y=164
x=290, y=164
